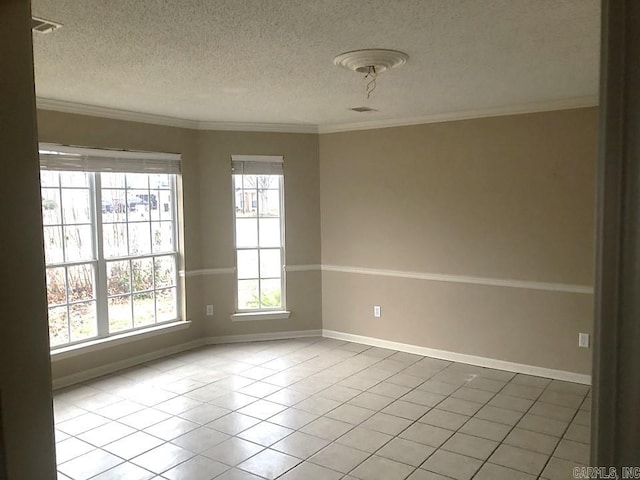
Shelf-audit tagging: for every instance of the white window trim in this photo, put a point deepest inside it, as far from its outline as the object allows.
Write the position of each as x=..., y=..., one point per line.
x=96, y=344
x=261, y=313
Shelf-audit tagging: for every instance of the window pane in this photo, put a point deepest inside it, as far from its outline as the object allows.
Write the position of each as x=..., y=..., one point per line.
x=152, y=201
x=76, y=206
x=271, y=295
x=58, y=326
x=51, y=213
x=120, y=314
x=166, y=305
x=162, y=234
x=269, y=203
x=138, y=205
x=74, y=179
x=115, y=240
x=165, y=205
x=246, y=232
x=165, y=271
x=265, y=182
x=114, y=205
x=269, y=232
x=137, y=208
x=139, y=238
x=270, y=264
x=118, y=277
x=112, y=180
x=242, y=202
x=49, y=178
x=80, y=282
x=56, y=286
x=248, y=294
x=237, y=182
x=82, y=319
x=154, y=205
x=142, y=273
x=107, y=210
x=143, y=309
x=248, y=264
x=137, y=180
x=159, y=180
x=246, y=203
x=53, y=244
x=78, y=243
x=250, y=182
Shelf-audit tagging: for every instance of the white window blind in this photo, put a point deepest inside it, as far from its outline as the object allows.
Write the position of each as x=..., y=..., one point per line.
x=62, y=157
x=257, y=165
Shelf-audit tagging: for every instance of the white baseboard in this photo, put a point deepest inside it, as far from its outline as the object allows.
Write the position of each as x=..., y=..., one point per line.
x=462, y=358
x=108, y=368
x=112, y=367
x=259, y=337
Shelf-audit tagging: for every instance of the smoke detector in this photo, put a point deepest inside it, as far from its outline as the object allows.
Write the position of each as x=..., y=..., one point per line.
x=371, y=63
x=41, y=25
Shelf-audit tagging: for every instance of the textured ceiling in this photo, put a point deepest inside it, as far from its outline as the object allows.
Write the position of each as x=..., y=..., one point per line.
x=271, y=60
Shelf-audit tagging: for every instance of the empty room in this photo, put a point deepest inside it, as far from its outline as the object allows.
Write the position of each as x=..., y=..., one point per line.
x=331, y=239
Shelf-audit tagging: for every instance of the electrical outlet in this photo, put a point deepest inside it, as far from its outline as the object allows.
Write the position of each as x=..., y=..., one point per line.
x=377, y=311
x=583, y=340
x=209, y=310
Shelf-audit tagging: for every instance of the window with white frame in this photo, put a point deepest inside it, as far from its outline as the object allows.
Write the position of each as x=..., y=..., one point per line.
x=110, y=235
x=258, y=184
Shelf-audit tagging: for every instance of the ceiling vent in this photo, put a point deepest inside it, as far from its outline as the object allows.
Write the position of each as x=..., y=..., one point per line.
x=41, y=25
x=363, y=109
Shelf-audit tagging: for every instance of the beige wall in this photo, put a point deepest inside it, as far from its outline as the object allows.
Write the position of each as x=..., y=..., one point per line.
x=208, y=223
x=25, y=377
x=500, y=198
x=505, y=197
x=302, y=227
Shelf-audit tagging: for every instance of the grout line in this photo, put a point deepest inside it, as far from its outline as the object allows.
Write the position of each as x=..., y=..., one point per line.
x=511, y=430
x=562, y=437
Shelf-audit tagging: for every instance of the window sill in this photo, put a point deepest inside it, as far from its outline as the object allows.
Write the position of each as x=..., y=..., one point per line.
x=269, y=315
x=121, y=339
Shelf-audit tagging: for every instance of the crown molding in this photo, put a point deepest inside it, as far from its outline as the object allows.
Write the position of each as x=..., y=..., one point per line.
x=536, y=107
x=116, y=114
x=113, y=113
x=259, y=127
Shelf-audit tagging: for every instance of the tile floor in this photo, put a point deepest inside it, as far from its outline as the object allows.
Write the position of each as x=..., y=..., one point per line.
x=319, y=409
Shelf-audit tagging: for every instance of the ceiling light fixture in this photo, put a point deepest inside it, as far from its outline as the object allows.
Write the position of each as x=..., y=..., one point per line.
x=371, y=63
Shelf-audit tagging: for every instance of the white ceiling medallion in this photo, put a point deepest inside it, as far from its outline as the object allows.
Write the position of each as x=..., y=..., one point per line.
x=361, y=60
x=371, y=63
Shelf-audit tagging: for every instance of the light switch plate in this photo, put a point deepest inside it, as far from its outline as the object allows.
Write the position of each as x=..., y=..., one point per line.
x=377, y=311
x=209, y=310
